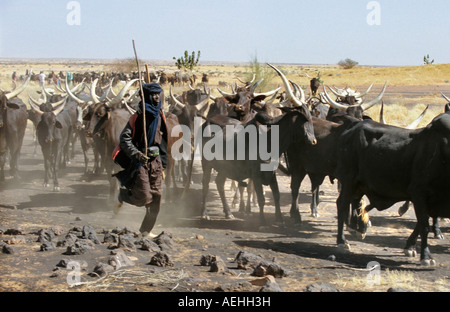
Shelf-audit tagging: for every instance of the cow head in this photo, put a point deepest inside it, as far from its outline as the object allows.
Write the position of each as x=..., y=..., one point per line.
x=186, y=112
x=243, y=98
x=47, y=123
x=5, y=99
x=350, y=101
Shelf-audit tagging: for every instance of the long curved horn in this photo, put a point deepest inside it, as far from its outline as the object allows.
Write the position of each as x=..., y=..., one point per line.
x=174, y=99
x=382, y=120
x=416, y=122
x=69, y=92
x=35, y=108
x=226, y=93
x=366, y=92
x=268, y=93
x=368, y=105
x=56, y=104
x=35, y=102
x=255, y=85
x=333, y=103
x=336, y=92
x=116, y=100
x=94, y=96
x=18, y=90
x=445, y=97
x=289, y=92
x=129, y=109
x=59, y=109
x=300, y=91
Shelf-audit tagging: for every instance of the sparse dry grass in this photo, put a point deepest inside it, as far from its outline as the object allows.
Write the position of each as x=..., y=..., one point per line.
x=389, y=279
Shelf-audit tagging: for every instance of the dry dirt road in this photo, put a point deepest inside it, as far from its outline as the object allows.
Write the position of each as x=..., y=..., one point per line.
x=307, y=253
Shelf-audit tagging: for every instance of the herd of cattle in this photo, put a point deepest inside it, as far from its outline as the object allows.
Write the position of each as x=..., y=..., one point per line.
x=319, y=136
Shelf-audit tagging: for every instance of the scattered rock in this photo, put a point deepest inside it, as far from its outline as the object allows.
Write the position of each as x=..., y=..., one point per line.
x=119, y=259
x=206, y=260
x=56, y=272
x=148, y=245
x=270, y=268
x=126, y=242
x=241, y=286
x=398, y=289
x=47, y=245
x=63, y=263
x=164, y=241
x=102, y=269
x=69, y=240
x=88, y=232
x=111, y=238
x=7, y=249
x=13, y=232
x=161, y=259
x=271, y=287
x=263, y=281
x=46, y=235
x=246, y=260
x=218, y=265
x=321, y=287
x=80, y=247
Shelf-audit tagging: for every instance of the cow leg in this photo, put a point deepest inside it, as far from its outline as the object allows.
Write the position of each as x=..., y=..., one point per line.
x=436, y=229
x=205, y=189
x=276, y=199
x=250, y=194
x=55, y=168
x=343, y=208
x=2, y=165
x=296, y=181
x=220, y=183
x=260, y=196
x=423, y=228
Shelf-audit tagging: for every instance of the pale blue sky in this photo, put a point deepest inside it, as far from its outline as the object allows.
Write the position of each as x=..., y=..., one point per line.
x=282, y=31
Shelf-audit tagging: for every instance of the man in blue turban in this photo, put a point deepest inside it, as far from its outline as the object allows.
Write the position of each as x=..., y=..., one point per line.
x=142, y=178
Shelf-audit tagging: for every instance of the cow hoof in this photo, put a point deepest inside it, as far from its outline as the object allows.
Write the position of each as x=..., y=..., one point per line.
x=315, y=215
x=344, y=247
x=46, y=185
x=56, y=189
x=428, y=262
x=360, y=236
x=411, y=252
x=229, y=216
x=207, y=218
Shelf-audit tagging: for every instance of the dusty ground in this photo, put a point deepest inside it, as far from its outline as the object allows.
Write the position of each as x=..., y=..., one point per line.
x=308, y=252
x=305, y=252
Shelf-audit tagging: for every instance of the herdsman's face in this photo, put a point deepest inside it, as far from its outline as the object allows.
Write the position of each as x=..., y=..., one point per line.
x=155, y=98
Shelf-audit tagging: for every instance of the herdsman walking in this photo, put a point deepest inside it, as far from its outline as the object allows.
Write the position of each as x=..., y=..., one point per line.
x=142, y=177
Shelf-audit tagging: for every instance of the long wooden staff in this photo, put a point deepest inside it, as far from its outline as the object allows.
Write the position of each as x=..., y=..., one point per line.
x=143, y=99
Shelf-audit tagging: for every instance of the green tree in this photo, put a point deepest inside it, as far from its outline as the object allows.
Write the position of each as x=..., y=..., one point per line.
x=426, y=60
x=347, y=63
x=188, y=61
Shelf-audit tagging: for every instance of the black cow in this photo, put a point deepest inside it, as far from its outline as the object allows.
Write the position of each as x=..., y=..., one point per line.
x=294, y=126
x=390, y=164
x=53, y=133
x=13, y=122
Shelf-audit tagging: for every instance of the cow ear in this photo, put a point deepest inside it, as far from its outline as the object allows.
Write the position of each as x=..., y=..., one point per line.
x=58, y=125
x=13, y=105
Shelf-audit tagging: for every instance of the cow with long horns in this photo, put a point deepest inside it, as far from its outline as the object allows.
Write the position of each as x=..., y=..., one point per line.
x=13, y=122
